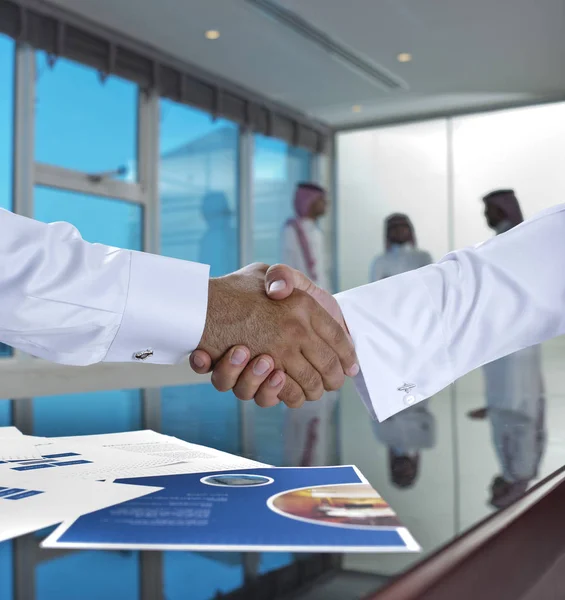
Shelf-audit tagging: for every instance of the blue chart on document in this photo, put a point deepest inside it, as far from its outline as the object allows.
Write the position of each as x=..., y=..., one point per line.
x=47, y=461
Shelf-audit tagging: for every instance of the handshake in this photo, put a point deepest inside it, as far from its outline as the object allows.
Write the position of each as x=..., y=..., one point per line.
x=273, y=335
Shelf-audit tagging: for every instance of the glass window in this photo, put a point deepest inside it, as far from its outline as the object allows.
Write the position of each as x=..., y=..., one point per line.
x=216, y=574
x=199, y=221
x=277, y=168
x=7, y=56
x=89, y=576
x=87, y=413
x=83, y=123
x=99, y=220
x=198, y=188
x=202, y=415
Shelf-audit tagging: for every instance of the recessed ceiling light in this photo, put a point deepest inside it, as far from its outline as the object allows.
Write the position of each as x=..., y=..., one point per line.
x=212, y=34
x=404, y=57
x=357, y=108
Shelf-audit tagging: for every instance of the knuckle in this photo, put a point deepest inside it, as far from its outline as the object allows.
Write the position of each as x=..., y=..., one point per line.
x=220, y=382
x=310, y=380
x=337, y=333
x=315, y=395
x=335, y=383
x=292, y=396
x=332, y=367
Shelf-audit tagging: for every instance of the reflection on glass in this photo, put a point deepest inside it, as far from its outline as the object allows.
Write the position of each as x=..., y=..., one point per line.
x=83, y=123
x=6, y=136
x=99, y=220
x=277, y=169
x=87, y=413
x=89, y=576
x=410, y=460
x=93, y=574
x=514, y=389
x=408, y=432
x=518, y=149
x=202, y=415
x=198, y=188
x=199, y=222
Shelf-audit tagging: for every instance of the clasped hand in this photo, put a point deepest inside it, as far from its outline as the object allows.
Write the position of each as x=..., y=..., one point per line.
x=273, y=335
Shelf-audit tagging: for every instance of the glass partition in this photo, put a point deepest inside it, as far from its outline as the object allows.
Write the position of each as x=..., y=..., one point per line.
x=498, y=430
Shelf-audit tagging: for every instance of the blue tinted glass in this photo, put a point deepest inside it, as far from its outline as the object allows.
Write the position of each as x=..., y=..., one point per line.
x=6, y=547
x=89, y=576
x=6, y=583
x=202, y=415
x=83, y=123
x=277, y=168
x=198, y=188
x=6, y=120
x=87, y=413
x=6, y=132
x=101, y=220
x=5, y=413
x=213, y=573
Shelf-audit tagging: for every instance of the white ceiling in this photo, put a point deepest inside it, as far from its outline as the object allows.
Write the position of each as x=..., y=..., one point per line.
x=466, y=53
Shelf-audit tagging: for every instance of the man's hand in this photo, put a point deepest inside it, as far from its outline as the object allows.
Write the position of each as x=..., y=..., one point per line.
x=293, y=335
x=260, y=378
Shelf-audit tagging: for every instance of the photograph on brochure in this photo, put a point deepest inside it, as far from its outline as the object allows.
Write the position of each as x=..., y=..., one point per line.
x=314, y=509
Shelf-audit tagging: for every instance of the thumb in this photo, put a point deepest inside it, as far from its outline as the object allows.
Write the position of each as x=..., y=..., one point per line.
x=282, y=280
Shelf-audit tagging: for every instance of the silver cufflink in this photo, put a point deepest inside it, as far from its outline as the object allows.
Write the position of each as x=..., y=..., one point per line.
x=143, y=354
x=407, y=387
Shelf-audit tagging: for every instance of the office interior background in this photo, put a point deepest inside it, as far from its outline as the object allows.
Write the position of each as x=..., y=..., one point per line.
x=133, y=121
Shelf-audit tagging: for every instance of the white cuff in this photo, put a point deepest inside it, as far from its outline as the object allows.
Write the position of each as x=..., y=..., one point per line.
x=399, y=341
x=165, y=311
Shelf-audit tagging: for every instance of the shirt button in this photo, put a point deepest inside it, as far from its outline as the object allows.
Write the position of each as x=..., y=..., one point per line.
x=409, y=400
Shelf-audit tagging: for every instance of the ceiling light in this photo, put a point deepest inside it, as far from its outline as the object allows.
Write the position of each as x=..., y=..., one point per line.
x=357, y=108
x=404, y=57
x=212, y=34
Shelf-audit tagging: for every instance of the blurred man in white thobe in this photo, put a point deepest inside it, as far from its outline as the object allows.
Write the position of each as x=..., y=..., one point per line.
x=514, y=390
x=412, y=430
x=307, y=430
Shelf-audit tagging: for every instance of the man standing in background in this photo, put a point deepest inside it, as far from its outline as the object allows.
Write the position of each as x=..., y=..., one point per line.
x=307, y=429
x=514, y=389
x=413, y=429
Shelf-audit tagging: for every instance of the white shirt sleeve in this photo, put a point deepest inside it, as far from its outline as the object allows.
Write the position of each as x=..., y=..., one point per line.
x=418, y=332
x=76, y=303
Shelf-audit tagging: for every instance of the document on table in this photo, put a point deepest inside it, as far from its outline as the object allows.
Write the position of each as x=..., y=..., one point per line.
x=14, y=445
x=179, y=456
x=27, y=504
x=67, y=460
x=278, y=509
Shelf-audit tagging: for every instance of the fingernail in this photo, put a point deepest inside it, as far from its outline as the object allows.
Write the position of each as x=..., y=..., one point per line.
x=238, y=357
x=198, y=361
x=261, y=367
x=277, y=286
x=276, y=380
x=353, y=371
